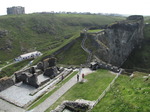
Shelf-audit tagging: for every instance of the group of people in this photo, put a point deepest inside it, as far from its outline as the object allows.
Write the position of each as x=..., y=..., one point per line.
x=78, y=77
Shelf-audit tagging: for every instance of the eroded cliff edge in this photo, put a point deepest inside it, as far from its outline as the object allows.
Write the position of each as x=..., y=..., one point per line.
x=114, y=44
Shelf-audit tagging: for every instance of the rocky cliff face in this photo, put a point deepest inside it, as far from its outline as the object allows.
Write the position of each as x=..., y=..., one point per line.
x=114, y=44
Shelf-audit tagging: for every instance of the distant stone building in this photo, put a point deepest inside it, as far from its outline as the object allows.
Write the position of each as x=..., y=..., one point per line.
x=16, y=10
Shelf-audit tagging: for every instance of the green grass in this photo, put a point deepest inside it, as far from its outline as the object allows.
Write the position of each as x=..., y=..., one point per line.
x=90, y=90
x=95, y=31
x=45, y=96
x=9, y=70
x=2, y=64
x=126, y=96
x=75, y=55
x=147, y=19
x=43, y=32
x=50, y=52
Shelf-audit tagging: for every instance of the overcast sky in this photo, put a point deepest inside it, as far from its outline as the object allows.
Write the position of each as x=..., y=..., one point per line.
x=141, y=7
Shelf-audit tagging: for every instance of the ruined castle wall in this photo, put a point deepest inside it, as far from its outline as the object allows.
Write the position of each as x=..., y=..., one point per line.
x=5, y=83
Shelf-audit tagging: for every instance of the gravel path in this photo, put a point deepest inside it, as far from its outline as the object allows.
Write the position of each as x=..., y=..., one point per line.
x=55, y=96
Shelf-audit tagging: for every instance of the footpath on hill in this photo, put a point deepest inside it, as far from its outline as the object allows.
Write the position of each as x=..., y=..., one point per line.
x=56, y=95
x=7, y=65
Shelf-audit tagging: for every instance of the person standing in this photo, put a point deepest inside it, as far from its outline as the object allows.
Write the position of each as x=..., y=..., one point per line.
x=77, y=77
x=62, y=77
x=83, y=77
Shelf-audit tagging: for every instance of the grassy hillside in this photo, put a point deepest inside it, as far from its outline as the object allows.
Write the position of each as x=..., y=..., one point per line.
x=139, y=58
x=126, y=96
x=43, y=32
x=8, y=71
x=75, y=55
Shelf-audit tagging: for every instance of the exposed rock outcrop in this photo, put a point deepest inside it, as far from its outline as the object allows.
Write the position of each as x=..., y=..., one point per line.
x=114, y=44
x=3, y=33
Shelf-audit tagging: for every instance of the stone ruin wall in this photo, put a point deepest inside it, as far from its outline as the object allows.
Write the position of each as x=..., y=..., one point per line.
x=29, y=76
x=5, y=83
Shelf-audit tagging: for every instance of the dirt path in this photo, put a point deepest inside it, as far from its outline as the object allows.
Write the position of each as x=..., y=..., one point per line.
x=7, y=65
x=55, y=96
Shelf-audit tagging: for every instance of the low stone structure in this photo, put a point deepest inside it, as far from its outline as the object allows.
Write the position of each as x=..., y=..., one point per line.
x=49, y=62
x=75, y=106
x=32, y=70
x=33, y=81
x=94, y=65
x=18, y=76
x=29, y=76
x=40, y=66
x=50, y=72
x=23, y=95
x=98, y=65
x=5, y=83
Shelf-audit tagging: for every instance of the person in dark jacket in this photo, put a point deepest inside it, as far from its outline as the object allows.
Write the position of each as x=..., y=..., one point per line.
x=77, y=77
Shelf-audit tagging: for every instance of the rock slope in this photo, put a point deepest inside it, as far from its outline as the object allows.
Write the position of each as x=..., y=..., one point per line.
x=114, y=44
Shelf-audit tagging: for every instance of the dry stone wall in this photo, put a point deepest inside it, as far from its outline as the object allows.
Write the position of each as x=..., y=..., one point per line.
x=5, y=83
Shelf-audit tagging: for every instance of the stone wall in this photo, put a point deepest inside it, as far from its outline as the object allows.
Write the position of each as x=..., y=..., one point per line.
x=114, y=44
x=27, y=78
x=102, y=65
x=50, y=72
x=5, y=83
x=79, y=105
x=49, y=62
x=30, y=75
